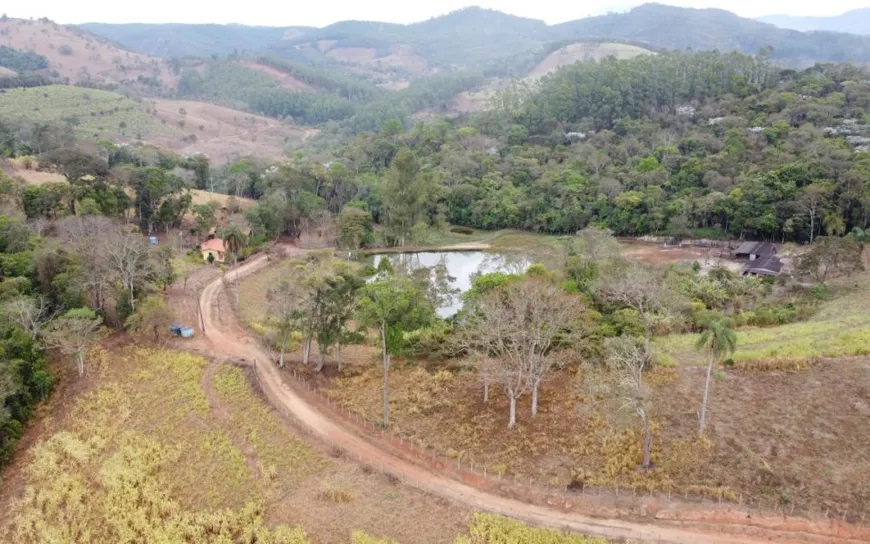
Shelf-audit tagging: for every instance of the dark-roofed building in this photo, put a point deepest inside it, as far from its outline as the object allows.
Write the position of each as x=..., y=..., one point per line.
x=769, y=265
x=755, y=250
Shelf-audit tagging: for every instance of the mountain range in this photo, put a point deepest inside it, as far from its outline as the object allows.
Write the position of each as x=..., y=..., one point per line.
x=854, y=22
x=475, y=37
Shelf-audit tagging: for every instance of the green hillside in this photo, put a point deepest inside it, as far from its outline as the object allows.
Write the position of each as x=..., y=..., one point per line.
x=90, y=112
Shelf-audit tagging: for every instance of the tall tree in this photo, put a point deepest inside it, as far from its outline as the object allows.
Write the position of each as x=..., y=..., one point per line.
x=812, y=201
x=407, y=196
x=721, y=341
x=394, y=306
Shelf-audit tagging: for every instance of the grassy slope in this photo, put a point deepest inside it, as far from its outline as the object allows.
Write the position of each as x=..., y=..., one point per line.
x=92, y=113
x=841, y=327
x=578, y=52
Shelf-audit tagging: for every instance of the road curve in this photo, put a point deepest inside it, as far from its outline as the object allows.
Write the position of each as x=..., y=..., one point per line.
x=233, y=343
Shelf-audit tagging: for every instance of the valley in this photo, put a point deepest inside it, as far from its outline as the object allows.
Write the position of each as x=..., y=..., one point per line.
x=474, y=279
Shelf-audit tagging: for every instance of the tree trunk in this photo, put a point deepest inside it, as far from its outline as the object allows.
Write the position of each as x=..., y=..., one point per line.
x=306, y=352
x=80, y=362
x=321, y=359
x=513, y=417
x=338, y=356
x=535, y=397
x=485, y=389
x=156, y=334
x=283, y=349
x=647, y=440
x=812, y=225
x=704, y=399
x=386, y=377
x=132, y=298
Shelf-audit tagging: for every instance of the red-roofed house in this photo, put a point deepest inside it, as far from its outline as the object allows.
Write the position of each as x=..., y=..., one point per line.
x=214, y=248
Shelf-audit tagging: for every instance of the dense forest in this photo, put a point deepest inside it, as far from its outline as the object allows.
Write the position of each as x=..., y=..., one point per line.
x=701, y=144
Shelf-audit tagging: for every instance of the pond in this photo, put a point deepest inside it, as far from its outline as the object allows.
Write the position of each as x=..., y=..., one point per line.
x=461, y=266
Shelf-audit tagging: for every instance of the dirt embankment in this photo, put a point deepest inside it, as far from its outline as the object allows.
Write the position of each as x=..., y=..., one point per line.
x=659, y=522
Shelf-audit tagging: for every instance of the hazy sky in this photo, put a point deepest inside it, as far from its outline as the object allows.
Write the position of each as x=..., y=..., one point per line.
x=324, y=12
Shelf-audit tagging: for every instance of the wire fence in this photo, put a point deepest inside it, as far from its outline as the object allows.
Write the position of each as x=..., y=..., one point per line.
x=528, y=489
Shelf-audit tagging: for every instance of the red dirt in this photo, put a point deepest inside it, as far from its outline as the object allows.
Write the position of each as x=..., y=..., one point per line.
x=673, y=523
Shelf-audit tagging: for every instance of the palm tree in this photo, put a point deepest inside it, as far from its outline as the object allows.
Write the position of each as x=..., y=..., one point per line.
x=721, y=341
x=234, y=242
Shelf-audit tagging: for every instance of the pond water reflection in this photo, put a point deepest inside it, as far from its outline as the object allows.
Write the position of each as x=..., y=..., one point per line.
x=462, y=266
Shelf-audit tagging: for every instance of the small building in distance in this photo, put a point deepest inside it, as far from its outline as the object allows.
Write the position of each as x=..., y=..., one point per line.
x=755, y=250
x=769, y=265
x=214, y=248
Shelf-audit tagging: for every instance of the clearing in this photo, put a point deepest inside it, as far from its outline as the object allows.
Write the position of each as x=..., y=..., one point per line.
x=841, y=327
x=223, y=134
x=283, y=79
x=183, y=126
x=90, y=112
x=583, y=52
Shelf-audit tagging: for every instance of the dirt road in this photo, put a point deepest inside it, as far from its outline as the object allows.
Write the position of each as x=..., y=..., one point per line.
x=696, y=527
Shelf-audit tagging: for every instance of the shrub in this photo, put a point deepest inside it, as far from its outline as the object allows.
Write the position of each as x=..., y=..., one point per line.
x=461, y=230
x=65, y=50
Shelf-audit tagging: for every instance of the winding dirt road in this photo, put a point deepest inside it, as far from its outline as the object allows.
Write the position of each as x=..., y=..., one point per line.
x=231, y=341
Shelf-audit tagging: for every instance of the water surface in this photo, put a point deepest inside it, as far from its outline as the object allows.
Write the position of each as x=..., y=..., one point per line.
x=462, y=266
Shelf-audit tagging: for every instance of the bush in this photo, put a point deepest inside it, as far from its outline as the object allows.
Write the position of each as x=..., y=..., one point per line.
x=65, y=50
x=461, y=230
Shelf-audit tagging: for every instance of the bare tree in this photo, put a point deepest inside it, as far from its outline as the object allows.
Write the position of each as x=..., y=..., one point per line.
x=126, y=255
x=28, y=313
x=84, y=234
x=512, y=331
x=641, y=288
x=629, y=358
x=812, y=200
x=74, y=333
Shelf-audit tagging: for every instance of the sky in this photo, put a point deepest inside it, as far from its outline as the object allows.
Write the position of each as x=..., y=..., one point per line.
x=324, y=12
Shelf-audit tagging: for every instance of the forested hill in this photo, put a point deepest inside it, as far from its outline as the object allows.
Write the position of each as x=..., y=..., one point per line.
x=474, y=37
x=688, y=144
x=705, y=29
x=180, y=40
x=856, y=21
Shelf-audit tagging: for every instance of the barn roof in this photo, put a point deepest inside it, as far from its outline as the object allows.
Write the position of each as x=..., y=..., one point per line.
x=756, y=248
x=764, y=266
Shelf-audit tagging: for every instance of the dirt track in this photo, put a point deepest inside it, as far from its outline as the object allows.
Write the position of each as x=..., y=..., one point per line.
x=669, y=525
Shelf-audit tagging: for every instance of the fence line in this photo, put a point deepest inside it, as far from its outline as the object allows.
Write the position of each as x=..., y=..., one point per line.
x=481, y=477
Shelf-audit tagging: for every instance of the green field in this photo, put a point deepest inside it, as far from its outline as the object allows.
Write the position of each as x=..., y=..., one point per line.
x=841, y=327
x=91, y=113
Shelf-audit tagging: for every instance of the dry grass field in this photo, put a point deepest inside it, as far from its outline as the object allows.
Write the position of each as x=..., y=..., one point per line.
x=162, y=431
x=88, y=58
